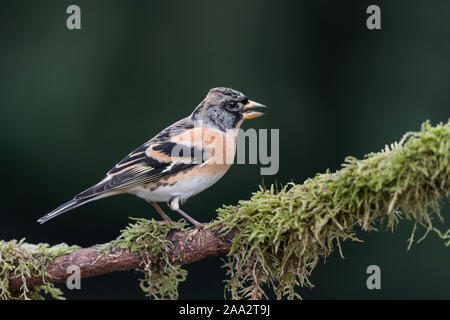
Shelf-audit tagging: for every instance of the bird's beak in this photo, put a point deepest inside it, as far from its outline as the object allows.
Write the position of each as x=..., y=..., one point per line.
x=250, y=114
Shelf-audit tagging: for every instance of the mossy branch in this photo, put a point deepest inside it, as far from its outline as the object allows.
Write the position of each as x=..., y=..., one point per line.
x=274, y=240
x=125, y=253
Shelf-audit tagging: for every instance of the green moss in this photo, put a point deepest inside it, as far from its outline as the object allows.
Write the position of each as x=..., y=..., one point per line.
x=20, y=259
x=148, y=240
x=281, y=235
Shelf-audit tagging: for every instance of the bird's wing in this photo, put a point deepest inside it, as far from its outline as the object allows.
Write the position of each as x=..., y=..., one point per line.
x=155, y=159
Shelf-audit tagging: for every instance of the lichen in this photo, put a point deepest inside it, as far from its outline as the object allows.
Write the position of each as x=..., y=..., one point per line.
x=23, y=260
x=282, y=235
x=148, y=239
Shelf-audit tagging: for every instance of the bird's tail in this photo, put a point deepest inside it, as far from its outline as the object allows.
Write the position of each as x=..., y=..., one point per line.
x=72, y=204
x=101, y=190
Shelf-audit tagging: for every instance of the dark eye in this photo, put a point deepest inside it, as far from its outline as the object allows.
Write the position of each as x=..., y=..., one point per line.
x=232, y=106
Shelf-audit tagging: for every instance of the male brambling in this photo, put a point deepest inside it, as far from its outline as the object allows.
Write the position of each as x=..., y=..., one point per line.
x=181, y=161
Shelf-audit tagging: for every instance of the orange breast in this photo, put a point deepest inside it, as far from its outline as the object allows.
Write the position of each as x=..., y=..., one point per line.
x=220, y=147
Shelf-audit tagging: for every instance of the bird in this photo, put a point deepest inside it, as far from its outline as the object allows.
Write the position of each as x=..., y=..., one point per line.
x=181, y=161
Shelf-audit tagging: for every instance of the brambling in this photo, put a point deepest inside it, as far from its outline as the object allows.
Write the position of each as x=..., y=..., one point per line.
x=179, y=162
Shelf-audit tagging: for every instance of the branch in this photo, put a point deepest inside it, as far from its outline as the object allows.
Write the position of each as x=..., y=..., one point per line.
x=273, y=240
x=205, y=243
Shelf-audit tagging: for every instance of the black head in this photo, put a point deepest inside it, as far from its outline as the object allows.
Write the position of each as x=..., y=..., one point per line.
x=225, y=108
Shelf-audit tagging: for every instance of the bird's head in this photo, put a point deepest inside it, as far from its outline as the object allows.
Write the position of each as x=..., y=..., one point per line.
x=225, y=108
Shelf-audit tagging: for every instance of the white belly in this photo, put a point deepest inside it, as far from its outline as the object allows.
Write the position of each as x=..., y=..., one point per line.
x=183, y=189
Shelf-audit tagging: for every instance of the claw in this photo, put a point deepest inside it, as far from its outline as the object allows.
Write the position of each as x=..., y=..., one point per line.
x=194, y=232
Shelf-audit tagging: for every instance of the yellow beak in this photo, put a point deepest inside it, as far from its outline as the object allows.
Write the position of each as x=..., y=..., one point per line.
x=250, y=114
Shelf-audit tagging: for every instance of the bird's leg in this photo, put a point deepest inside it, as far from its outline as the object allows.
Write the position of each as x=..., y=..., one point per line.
x=175, y=206
x=159, y=210
x=198, y=225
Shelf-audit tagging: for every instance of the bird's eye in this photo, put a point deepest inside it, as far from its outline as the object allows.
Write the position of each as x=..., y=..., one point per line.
x=232, y=106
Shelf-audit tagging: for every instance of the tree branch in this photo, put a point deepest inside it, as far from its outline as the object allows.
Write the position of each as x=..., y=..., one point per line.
x=282, y=234
x=206, y=243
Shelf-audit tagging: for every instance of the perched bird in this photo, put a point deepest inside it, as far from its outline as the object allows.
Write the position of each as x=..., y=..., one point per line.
x=179, y=162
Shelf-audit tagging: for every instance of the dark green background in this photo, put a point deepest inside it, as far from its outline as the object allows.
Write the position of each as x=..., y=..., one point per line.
x=73, y=103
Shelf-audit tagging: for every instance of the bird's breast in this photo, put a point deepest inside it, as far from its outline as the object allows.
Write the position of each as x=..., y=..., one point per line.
x=183, y=184
x=218, y=147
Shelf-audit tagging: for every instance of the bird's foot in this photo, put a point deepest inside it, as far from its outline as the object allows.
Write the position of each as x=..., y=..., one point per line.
x=198, y=226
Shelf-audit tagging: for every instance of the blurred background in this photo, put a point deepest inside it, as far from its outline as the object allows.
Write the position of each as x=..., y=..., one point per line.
x=73, y=103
